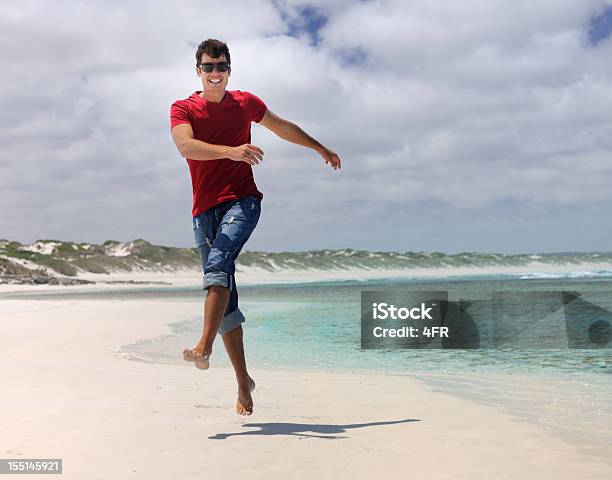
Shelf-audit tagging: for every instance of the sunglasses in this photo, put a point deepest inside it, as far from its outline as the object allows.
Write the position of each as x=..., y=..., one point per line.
x=220, y=66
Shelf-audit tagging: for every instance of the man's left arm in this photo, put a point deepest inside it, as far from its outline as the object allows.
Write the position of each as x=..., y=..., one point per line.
x=293, y=133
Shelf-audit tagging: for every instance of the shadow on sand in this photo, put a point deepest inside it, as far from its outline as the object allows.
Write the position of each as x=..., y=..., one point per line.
x=297, y=429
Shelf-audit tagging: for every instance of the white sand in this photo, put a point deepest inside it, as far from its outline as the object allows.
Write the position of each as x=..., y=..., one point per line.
x=66, y=394
x=253, y=276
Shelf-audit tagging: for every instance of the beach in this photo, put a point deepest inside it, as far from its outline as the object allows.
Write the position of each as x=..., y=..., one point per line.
x=418, y=258
x=68, y=393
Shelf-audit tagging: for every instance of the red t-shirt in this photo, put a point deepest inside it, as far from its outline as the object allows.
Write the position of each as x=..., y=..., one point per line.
x=224, y=123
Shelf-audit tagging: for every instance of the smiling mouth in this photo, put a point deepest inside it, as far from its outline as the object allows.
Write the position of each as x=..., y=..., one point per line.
x=216, y=81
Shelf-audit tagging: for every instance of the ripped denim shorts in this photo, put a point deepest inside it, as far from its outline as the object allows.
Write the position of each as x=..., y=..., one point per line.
x=220, y=233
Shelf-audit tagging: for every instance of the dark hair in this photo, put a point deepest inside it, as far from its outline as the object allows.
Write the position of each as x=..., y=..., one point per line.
x=213, y=48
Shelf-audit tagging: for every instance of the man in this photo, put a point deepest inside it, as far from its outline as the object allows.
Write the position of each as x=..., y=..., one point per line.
x=212, y=130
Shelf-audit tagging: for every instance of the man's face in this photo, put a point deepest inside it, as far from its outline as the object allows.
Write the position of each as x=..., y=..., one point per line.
x=215, y=80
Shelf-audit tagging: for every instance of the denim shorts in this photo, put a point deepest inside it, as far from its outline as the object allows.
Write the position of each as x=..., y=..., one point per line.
x=220, y=233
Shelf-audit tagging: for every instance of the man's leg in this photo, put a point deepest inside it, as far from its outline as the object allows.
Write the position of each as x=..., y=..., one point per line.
x=235, y=352
x=215, y=306
x=235, y=228
x=205, y=228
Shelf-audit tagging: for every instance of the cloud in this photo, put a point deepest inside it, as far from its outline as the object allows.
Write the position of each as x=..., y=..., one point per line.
x=444, y=113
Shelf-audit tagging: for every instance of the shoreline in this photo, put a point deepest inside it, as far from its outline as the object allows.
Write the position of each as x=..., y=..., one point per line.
x=376, y=423
x=511, y=390
x=253, y=277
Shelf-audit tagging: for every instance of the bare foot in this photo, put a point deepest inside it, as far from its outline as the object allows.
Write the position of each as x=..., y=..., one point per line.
x=197, y=356
x=244, y=405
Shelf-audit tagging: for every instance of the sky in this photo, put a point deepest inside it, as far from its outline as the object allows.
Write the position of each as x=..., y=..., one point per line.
x=481, y=125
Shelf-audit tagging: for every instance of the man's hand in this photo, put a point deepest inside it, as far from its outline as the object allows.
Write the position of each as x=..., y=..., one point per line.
x=331, y=158
x=248, y=153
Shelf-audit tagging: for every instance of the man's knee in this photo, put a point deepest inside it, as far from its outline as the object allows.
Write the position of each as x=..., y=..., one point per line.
x=218, y=289
x=235, y=331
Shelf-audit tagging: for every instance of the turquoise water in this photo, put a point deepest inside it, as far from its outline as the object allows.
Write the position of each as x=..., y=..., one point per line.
x=317, y=326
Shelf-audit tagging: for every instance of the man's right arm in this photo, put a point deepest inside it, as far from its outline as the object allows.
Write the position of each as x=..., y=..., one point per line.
x=193, y=149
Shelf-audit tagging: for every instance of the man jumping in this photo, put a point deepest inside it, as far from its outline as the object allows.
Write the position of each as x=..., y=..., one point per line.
x=212, y=130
